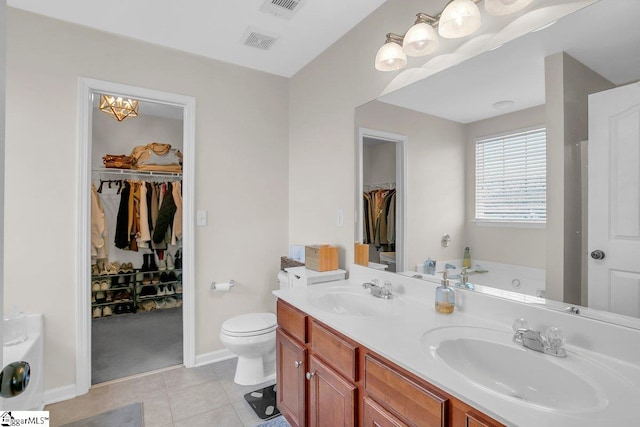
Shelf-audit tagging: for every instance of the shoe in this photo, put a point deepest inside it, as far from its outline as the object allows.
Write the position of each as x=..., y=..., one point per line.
x=148, y=291
x=170, y=290
x=179, y=304
x=172, y=277
x=145, y=264
x=161, y=291
x=179, y=289
x=95, y=285
x=170, y=302
x=95, y=270
x=162, y=265
x=155, y=279
x=160, y=304
x=100, y=297
x=178, y=259
x=107, y=311
x=112, y=268
x=169, y=262
x=105, y=284
x=109, y=297
x=119, y=309
x=152, y=263
x=93, y=299
x=97, y=312
x=128, y=267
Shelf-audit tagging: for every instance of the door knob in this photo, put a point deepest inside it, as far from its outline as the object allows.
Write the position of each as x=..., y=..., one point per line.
x=310, y=375
x=297, y=363
x=597, y=254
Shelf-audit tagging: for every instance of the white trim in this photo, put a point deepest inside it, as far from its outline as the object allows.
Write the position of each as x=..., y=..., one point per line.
x=59, y=394
x=86, y=87
x=213, y=357
x=401, y=189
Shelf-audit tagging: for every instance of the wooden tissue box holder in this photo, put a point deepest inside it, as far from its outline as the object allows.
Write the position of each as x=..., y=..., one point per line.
x=321, y=257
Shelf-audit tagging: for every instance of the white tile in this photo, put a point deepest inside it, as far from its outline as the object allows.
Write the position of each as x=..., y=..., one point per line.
x=221, y=417
x=196, y=400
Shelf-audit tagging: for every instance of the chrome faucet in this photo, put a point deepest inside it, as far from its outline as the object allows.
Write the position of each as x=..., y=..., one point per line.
x=551, y=343
x=378, y=291
x=464, y=280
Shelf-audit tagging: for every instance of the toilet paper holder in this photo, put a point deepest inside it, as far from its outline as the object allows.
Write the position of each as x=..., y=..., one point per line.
x=222, y=287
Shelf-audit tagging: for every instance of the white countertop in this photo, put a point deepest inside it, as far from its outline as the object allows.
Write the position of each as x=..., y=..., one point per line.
x=395, y=332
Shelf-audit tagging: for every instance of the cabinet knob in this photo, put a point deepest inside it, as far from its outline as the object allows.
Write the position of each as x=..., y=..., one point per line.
x=310, y=375
x=298, y=363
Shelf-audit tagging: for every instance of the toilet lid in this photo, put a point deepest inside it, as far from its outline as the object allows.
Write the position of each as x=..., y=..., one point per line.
x=250, y=324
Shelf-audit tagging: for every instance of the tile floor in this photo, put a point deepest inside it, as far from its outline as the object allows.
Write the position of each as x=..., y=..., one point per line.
x=178, y=397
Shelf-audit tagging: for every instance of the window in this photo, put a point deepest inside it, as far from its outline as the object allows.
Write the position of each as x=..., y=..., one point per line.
x=511, y=178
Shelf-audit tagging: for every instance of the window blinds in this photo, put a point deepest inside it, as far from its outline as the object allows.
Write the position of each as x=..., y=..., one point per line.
x=511, y=178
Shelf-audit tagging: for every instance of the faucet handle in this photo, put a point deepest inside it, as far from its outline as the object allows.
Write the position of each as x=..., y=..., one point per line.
x=520, y=324
x=554, y=337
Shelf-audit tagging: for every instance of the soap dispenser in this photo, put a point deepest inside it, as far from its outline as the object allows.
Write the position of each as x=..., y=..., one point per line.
x=445, y=296
x=466, y=259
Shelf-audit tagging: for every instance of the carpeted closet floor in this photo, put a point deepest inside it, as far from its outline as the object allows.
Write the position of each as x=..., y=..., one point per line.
x=129, y=344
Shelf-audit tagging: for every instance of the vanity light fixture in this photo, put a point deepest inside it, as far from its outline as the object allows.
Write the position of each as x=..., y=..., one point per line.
x=390, y=56
x=421, y=39
x=119, y=107
x=459, y=18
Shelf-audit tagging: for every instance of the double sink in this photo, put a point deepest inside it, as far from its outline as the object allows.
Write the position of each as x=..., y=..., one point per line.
x=489, y=360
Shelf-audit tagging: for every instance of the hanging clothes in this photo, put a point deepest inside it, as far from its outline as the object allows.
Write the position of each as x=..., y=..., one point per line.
x=99, y=234
x=379, y=218
x=165, y=215
x=176, y=229
x=122, y=221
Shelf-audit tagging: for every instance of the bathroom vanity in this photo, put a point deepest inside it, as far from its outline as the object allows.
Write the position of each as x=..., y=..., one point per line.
x=347, y=358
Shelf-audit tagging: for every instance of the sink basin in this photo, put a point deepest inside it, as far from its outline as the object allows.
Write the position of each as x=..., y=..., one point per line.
x=355, y=303
x=490, y=360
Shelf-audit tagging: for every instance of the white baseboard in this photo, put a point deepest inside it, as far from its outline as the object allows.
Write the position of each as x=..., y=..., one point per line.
x=59, y=394
x=213, y=357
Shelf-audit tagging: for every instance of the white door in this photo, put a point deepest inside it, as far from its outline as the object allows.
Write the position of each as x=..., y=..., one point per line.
x=614, y=200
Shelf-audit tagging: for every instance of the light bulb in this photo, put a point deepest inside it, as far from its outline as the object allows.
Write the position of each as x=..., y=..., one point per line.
x=459, y=19
x=420, y=40
x=390, y=57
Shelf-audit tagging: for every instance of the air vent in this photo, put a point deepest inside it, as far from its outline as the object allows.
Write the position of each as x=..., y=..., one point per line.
x=282, y=8
x=260, y=39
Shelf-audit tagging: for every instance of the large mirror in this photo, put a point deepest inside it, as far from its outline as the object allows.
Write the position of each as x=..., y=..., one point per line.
x=541, y=80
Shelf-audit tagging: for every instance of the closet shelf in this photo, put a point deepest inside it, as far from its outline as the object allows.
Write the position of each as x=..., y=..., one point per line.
x=137, y=172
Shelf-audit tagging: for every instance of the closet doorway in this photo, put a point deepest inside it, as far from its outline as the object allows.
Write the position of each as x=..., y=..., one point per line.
x=381, y=197
x=135, y=278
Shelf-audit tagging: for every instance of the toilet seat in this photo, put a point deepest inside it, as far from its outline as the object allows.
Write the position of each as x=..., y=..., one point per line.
x=248, y=325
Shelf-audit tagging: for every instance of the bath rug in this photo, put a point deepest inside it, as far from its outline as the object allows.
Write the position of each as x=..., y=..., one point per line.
x=263, y=402
x=279, y=421
x=130, y=416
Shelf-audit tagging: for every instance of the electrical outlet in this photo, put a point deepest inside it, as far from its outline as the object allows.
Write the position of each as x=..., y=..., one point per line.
x=201, y=218
x=340, y=218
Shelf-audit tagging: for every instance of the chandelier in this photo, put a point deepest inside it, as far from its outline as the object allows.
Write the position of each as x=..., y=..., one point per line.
x=459, y=18
x=120, y=108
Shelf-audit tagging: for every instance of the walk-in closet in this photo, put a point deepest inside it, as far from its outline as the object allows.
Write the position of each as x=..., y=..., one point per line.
x=379, y=201
x=136, y=237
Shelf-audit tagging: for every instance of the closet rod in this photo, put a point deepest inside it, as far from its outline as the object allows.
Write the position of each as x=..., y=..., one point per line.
x=137, y=173
x=380, y=186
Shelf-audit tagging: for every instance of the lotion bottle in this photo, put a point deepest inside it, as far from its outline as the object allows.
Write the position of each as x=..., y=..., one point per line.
x=445, y=296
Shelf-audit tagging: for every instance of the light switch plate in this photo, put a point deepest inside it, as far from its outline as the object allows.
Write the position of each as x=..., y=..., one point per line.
x=201, y=218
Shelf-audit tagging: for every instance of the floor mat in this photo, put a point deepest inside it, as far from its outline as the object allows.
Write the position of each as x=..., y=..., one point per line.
x=263, y=402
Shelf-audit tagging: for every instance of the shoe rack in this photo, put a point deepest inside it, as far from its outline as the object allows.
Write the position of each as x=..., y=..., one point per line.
x=119, y=288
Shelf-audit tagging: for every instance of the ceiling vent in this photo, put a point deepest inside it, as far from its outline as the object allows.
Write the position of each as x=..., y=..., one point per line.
x=282, y=8
x=260, y=39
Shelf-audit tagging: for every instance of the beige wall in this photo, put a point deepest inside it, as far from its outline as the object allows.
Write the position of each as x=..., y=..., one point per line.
x=322, y=99
x=435, y=177
x=379, y=163
x=241, y=169
x=567, y=86
x=511, y=245
x=3, y=36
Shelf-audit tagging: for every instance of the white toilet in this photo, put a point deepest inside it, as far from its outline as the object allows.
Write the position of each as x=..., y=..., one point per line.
x=253, y=338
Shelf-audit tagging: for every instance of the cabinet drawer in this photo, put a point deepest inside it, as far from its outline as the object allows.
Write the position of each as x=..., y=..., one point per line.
x=293, y=321
x=476, y=419
x=376, y=416
x=336, y=351
x=410, y=401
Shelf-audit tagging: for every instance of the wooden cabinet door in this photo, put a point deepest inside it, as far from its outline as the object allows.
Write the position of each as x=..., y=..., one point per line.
x=291, y=359
x=376, y=416
x=332, y=399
